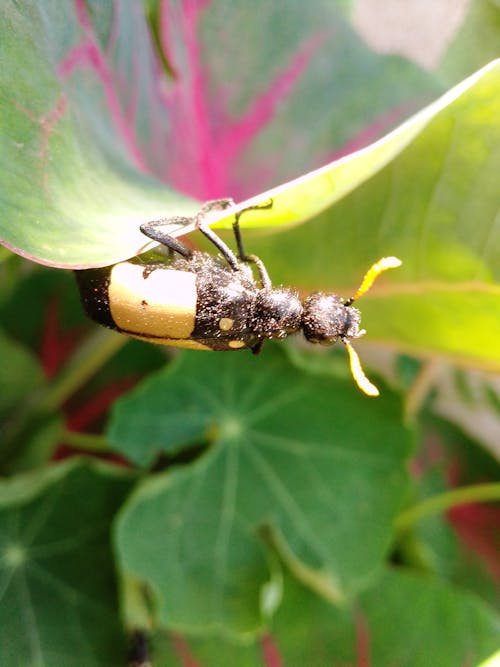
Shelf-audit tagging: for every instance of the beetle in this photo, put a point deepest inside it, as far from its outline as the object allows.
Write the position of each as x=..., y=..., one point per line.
x=206, y=302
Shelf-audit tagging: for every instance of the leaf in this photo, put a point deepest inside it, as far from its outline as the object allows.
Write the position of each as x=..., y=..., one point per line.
x=476, y=42
x=459, y=544
x=416, y=622
x=95, y=114
x=431, y=545
x=73, y=176
x=19, y=373
x=471, y=400
x=405, y=620
x=23, y=443
x=38, y=297
x=314, y=192
x=435, y=206
x=56, y=571
x=288, y=452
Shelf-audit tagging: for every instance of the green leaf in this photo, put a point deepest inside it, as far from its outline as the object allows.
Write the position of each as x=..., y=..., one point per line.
x=42, y=301
x=404, y=620
x=435, y=206
x=92, y=125
x=417, y=622
x=58, y=598
x=70, y=169
x=472, y=564
x=20, y=373
x=307, y=457
x=476, y=42
x=430, y=545
x=24, y=442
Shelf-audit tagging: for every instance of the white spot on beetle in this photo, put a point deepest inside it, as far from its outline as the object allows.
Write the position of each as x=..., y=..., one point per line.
x=236, y=344
x=225, y=323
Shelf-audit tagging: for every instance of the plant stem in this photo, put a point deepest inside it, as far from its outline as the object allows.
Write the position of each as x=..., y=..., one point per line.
x=445, y=501
x=94, y=352
x=90, y=441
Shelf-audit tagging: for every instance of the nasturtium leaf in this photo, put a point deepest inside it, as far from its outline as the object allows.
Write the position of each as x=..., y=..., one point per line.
x=405, y=620
x=416, y=621
x=100, y=105
x=20, y=373
x=57, y=582
x=309, y=458
x=24, y=442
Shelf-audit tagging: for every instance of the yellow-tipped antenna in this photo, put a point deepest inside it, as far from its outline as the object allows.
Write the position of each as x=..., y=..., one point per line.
x=372, y=273
x=357, y=372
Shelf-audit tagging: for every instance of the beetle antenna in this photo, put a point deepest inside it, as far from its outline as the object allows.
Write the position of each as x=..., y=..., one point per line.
x=357, y=372
x=373, y=273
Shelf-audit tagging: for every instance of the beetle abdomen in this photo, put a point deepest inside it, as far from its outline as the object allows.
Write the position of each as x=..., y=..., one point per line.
x=158, y=304
x=199, y=305
x=154, y=303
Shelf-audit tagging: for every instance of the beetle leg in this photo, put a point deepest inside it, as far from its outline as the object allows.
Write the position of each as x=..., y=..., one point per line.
x=214, y=205
x=201, y=224
x=237, y=230
x=265, y=280
x=261, y=269
x=219, y=244
x=257, y=347
x=153, y=231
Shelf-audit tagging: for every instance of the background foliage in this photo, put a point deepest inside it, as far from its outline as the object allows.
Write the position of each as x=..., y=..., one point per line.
x=257, y=511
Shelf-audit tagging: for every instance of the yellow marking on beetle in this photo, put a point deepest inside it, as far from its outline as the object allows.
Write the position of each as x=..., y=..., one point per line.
x=373, y=272
x=160, y=306
x=236, y=344
x=225, y=323
x=357, y=372
x=185, y=343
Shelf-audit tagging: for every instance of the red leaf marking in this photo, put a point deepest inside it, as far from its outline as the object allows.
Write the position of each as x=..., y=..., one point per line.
x=372, y=132
x=477, y=526
x=270, y=652
x=55, y=344
x=430, y=456
x=362, y=641
x=264, y=108
x=204, y=143
x=191, y=139
x=89, y=54
x=181, y=648
x=87, y=413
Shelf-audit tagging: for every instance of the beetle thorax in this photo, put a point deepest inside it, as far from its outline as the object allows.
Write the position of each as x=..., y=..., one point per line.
x=277, y=313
